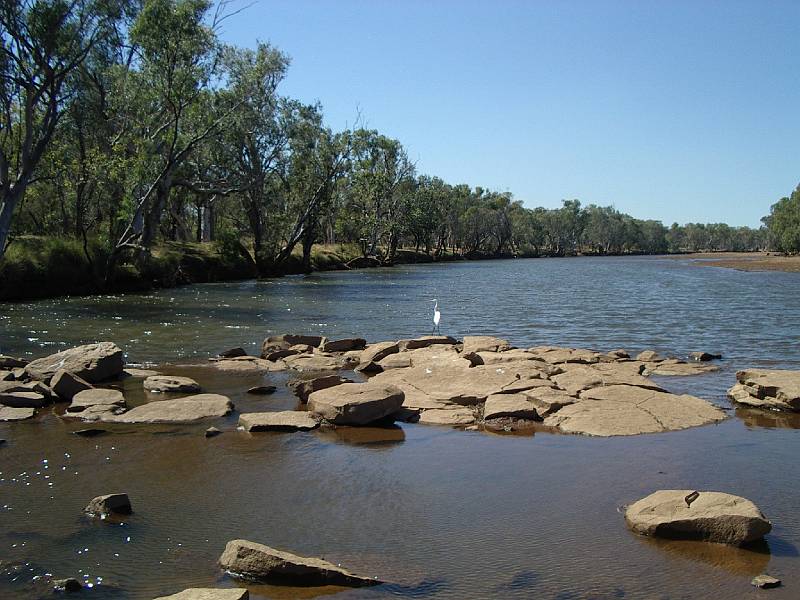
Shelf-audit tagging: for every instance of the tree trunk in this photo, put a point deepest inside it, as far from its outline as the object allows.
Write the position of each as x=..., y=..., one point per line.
x=9, y=202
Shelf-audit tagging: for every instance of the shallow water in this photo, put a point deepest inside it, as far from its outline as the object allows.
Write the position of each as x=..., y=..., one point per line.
x=438, y=512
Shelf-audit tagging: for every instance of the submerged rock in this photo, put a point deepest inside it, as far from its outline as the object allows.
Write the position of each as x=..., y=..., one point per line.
x=259, y=563
x=89, y=432
x=704, y=356
x=180, y=410
x=262, y=390
x=65, y=384
x=355, y=403
x=212, y=432
x=109, y=504
x=8, y=413
x=170, y=383
x=767, y=388
x=710, y=516
x=765, y=581
x=91, y=362
x=285, y=420
x=629, y=410
x=209, y=594
x=286, y=341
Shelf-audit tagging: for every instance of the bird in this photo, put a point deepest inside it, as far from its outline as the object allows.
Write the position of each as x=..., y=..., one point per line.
x=437, y=316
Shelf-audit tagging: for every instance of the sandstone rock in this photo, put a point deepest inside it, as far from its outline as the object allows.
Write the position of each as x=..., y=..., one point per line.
x=557, y=355
x=704, y=356
x=343, y=345
x=138, y=373
x=180, y=410
x=90, y=432
x=255, y=562
x=425, y=341
x=303, y=388
x=458, y=415
x=10, y=362
x=765, y=388
x=262, y=390
x=437, y=354
x=395, y=361
x=577, y=378
x=355, y=403
x=712, y=517
x=91, y=362
x=23, y=399
x=494, y=358
x=484, y=343
x=546, y=401
x=374, y=353
x=232, y=353
x=678, y=368
x=6, y=375
x=276, y=355
x=108, y=504
x=170, y=383
x=8, y=413
x=209, y=594
x=286, y=341
x=314, y=362
x=649, y=356
x=508, y=405
x=247, y=364
x=212, y=432
x=107, y=398
x=66, y=384
x=619, y=354
x=765, y=581
x=286, y=420
x=629, y=410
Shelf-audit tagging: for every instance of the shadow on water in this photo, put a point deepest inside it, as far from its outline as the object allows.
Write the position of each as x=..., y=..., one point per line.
x=377, y=437
x=749, y=561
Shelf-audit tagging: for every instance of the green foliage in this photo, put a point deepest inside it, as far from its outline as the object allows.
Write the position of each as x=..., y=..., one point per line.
x=783, y=224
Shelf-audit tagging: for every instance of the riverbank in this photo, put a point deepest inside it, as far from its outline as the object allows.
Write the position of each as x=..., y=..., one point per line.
x=746, y=261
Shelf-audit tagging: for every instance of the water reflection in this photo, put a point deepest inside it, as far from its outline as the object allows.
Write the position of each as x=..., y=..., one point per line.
x=749, y=561
x=753, y=417
x=364, y=436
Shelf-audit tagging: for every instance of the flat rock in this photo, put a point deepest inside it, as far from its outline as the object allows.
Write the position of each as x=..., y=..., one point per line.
x=374, y=353
x=314, y=362
x=232, y=353
x=556, y=355
x=286, y=420
x=109, y=504
x=8, y=413
x=630, y=410
x=303, y=388
x=10, y=362
x=578, y=378
x=355, y=403
x=649, y=356
x=138, y=373
x=546, y=401
x=171, y=383
x=484, y=343
x=765, y=581
x=425, y=341
x=711, y=517
x=457, y=415
x=678, y=368
x=23, y=399
x=65, y=384
x=209, y=594
x=343, y=345
x=259, y=563
x=104, y=397
x=247, y=364
x=179, y=410
x=276, y=355
x=492, y=358
x=89, y=432
x=91, y=362
x=262, y=390
x=768, y=388
x=287, y=340
x=509, y=405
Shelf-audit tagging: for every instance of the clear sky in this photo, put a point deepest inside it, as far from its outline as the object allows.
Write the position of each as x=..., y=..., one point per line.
x=671, y=110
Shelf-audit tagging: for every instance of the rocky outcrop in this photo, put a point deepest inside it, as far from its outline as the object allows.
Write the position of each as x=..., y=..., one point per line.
x=546, y=400
x=425, y=341
x=355, y=403
x=649, y=356
x=7, y=363
x=286, y=341
x=65, y=384
x=777, y=389
x=286, y=420
x=109, y=504
x=374, y=353
x=92, y=362
x=259, y=563
x=171, y=383
x=577, y=378
x=678, y=368
x=630, y=410
x=515, y=406
x=343, y=345
x=454, y=415
x=180, y=410
x=8, y=413
x=303, y=388
x=484, y=343
x=209, y=594
x=708, y=516
x=556, y=355
x=24, y=398
x=247, y=364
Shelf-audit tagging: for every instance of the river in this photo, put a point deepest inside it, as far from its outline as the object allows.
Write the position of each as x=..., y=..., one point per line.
x=438, y=512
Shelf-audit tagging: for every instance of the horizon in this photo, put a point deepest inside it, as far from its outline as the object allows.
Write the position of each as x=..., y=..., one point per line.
x=684, y=114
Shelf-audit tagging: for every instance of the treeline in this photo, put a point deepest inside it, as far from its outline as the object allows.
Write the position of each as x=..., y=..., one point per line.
x=128, y=123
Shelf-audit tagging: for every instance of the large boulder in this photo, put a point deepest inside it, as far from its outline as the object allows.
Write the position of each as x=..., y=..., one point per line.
x=286, y=341
x=285, y=420
x=209, y=594
x=484, y=343
x=108, y=504
x=180, y=410
x=355, y=403
x=767, y=388
x=92, y=362
x=630, y=410
x=8, y=413
x=259, y=563
x=303, y=388
x=708, y=516
x=171, y=383
x=65, y=384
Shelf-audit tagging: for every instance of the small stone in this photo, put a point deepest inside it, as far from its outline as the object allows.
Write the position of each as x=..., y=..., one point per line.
x=232, y=353
x=109, y=504
x=90, y=432
x=766, y=581
x=212, y=432
x=262, y=390
x=67, y=585
x=704, y=356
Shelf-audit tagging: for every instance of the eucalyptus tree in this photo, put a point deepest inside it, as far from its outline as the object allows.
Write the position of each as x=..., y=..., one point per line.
x=783, y=223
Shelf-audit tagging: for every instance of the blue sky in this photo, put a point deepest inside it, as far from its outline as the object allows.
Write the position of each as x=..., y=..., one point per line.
x=678, y=111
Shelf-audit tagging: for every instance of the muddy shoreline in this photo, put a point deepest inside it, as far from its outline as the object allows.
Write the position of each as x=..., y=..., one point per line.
x=745, y=261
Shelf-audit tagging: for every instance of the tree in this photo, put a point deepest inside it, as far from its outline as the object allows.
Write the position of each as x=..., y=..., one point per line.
x=783, y=223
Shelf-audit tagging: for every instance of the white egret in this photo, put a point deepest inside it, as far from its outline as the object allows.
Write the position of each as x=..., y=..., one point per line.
x=437, y=316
